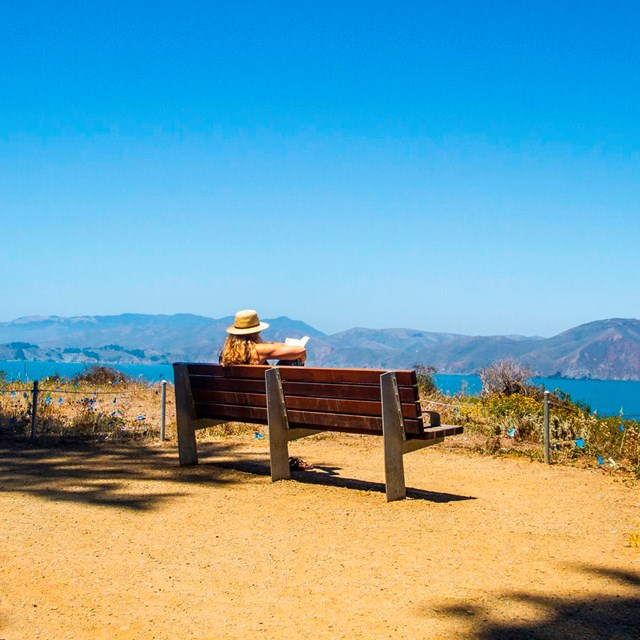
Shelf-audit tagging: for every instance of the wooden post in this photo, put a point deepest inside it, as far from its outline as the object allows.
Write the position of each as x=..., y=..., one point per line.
x=278, y=426
x=34, y=410
x=163, y=408
x=547, y=456
x=393, y=437
x=185, y=416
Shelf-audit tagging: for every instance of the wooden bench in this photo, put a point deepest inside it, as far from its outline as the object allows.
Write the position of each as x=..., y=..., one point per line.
x=300, y=401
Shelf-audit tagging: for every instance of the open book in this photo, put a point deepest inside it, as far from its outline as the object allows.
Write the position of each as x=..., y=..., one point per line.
x=297, y=342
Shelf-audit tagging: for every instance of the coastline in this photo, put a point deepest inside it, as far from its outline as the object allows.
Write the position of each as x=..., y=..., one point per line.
x=607, y=397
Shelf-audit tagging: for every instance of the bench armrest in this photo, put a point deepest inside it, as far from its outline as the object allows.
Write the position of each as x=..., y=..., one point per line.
x=434, y=418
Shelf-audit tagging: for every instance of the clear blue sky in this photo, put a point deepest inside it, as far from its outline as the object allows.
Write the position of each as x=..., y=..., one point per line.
x=471, y=167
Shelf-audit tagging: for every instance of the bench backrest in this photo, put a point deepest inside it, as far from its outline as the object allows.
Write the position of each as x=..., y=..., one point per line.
x=327, y=399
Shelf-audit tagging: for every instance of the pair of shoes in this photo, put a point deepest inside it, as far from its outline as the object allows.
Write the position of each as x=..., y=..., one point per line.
x=298, y=464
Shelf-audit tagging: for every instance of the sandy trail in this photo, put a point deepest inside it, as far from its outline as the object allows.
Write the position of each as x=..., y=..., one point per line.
x=119, y=542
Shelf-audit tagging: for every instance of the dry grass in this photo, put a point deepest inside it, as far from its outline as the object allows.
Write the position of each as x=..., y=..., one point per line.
x=126, y=410
x=116, y=411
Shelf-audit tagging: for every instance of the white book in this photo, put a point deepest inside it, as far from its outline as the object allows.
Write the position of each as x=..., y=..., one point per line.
x=297, y=342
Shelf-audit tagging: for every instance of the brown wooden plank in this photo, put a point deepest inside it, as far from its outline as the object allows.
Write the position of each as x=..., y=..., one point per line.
x=227, y=384
x=346, y=406
x=347, y=423
x=330, y=375
x=354, y=376
x=236, y=412
x=310, y=374
x=333, y=405
x=443, y=430
x=250, y=371
x=207, y=396
x=335, y=422
x=365, y=431
x=352, y=391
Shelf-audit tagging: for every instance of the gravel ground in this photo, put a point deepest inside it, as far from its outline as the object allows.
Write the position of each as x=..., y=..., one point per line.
x=117, y=541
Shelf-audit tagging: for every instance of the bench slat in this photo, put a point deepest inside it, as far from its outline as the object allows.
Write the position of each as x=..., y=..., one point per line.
x=315, y=374
x=228, y=384
x=353, y=391
x=353, y=407
x=311, y=374
x=324, y=405
x=353, y=376
x=345, y=422
x=313, y=389
x=230, y=412
x=442, y=431
x=224, y=398
x=250, y=371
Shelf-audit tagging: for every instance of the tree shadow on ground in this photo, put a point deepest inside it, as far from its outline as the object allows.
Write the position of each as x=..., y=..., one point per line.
x=607, y=615
x=98, y=473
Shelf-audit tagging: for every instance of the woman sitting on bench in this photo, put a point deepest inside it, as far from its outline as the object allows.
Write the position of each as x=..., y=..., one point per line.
x=244, y=344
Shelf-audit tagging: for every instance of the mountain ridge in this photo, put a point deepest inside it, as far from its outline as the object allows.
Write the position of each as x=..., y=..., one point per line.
x=604, y=349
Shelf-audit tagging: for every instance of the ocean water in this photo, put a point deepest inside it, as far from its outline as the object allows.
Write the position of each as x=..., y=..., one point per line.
x=29, y=371
x=607, y=397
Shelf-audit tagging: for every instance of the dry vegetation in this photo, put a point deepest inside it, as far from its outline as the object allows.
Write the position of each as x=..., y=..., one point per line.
x=99, y=404
x=507, y=418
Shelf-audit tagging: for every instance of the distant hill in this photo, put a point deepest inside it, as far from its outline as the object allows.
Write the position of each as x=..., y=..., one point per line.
x=161, y=338
x=607, y=349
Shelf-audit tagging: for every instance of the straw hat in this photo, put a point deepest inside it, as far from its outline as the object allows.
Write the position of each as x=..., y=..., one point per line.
x=245, y=322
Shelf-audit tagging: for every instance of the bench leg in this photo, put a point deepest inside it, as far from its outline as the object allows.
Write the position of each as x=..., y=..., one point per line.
x=187, y=451
x=185, y=415
x=393, y=437
x=278, y=427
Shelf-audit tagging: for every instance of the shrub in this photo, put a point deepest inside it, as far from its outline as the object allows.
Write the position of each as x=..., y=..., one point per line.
x=98, y=374
x=54, y=378
x=426, y=382
x=507, y=378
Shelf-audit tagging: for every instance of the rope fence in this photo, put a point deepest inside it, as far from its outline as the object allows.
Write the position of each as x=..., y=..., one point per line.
x=42, y=397
x=40, y=409
x=548, y=403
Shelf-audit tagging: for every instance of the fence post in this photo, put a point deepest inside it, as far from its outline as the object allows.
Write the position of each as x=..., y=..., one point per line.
x=547, y=457
x=163, y=406
x=34, y=410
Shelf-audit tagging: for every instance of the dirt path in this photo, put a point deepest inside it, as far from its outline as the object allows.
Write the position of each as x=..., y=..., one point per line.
x=119, y=542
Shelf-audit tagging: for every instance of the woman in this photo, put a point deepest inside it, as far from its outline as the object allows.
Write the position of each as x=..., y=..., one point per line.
x=244, y=344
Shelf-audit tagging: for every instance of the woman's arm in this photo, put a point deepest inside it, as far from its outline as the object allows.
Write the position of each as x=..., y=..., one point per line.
x=280, y=351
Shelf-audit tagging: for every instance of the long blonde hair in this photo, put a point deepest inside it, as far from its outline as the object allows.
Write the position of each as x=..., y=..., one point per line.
x=240, y=349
